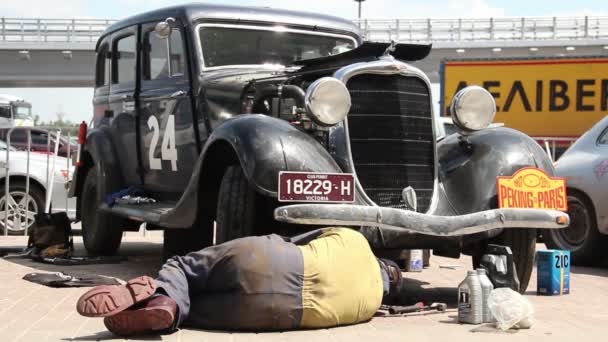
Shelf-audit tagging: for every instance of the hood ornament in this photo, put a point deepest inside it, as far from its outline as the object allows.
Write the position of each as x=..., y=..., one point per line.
x=391, y=48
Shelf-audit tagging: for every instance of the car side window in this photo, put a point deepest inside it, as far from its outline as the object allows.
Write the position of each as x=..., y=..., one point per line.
x=176, y=53
x=102, y=73
x=156, y=64
x=18, y=136
x=124, y=60
x=164, y=57
x=39, y=138
x=603, y=140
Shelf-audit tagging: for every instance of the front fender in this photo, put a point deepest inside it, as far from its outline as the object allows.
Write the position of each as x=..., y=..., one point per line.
x=265, y=146
x=468, y=167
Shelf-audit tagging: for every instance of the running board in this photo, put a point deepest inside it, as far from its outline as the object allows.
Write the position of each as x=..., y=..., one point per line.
x=164, y=214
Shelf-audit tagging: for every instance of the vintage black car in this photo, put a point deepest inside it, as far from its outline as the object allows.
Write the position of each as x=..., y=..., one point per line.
x=203, y=106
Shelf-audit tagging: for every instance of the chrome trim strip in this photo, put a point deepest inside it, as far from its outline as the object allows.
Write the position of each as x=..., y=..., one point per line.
x=407, y=221
x=258, y=28
x=387, y=65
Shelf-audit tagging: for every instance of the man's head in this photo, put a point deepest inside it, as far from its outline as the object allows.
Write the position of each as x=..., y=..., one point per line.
x=393, y=272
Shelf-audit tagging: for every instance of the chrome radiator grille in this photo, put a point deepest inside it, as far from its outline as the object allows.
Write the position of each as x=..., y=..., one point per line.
x=391, y=136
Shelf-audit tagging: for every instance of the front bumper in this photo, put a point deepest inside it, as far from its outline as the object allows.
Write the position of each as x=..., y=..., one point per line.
x=409, y=221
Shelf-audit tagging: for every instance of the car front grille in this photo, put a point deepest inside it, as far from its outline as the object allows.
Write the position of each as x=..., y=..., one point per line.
x=391, y=136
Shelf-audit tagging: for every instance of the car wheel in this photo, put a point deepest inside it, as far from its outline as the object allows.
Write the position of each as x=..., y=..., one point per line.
x=236, y=206
x=101, y=232
x=18, y=216
x=184, y=241
x=523, y=245
x=581, y=237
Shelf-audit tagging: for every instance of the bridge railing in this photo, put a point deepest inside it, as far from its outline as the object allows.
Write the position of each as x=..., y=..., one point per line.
x=485, y=29
x=414, y=30
x=52, y=30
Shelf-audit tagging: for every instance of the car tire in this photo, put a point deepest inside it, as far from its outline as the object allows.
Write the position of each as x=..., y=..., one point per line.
x=184, y=241
x=36, y=204
x=582, y=238
x=101, y=232
x=522, y=243
x=236, y=206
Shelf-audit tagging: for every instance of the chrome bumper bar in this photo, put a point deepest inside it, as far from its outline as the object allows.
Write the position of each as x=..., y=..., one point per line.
x=404, y=220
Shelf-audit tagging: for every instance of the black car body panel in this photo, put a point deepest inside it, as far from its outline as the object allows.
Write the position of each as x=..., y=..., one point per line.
x=174, y=135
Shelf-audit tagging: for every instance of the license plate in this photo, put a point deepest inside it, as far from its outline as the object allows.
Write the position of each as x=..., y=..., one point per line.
x=316, y=187
x=532, y=188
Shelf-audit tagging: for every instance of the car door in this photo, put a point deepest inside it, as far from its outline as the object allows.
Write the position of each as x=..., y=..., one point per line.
x=168, y=145
x=122, y=101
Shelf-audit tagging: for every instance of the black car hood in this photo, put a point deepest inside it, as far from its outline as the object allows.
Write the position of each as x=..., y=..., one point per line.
x=369, y=51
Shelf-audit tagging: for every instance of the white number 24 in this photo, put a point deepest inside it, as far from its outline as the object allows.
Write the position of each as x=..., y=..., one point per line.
x=167, y=148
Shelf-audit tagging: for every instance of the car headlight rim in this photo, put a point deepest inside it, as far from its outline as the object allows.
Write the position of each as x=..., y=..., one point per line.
x=327, y=101
x=473, y=109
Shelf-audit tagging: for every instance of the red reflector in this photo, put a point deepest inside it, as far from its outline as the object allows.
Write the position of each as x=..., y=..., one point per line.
x=82, y=133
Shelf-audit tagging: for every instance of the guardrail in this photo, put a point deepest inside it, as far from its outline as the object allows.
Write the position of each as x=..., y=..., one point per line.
x=485, y=29
x=39, y=30
x=52, y=30
x=554, y=146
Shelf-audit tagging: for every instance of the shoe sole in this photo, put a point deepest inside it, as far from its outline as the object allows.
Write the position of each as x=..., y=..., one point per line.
x=141, y=321
x=107, y=300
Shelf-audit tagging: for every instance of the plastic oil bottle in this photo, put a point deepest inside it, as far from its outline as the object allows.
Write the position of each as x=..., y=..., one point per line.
x=470, y=300
x=486, y=289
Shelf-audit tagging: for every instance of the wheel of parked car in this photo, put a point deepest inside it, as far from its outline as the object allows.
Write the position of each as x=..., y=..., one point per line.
x=236, y=206
x=20, y=215
x=581, y=238
x=101, y=232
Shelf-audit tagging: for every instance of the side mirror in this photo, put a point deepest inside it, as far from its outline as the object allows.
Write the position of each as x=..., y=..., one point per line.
x=163, y=28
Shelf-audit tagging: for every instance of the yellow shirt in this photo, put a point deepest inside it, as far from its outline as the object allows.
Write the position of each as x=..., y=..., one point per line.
x=342, y=282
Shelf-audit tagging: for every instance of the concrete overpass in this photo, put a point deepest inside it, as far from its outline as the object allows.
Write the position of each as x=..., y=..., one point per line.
x=59, y=52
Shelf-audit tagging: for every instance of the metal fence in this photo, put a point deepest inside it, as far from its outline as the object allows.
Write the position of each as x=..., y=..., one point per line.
x=52, y=30
x=38, y=30
x=485, y=29
x=555, y=147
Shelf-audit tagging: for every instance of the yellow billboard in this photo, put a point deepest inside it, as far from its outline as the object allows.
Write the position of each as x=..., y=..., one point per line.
x=548, y=97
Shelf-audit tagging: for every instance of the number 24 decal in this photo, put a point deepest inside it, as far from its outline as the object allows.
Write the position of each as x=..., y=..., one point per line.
x=167, y=147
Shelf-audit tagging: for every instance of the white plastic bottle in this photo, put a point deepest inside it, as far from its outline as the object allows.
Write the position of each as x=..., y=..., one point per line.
x=470, y=300
x=486, y=289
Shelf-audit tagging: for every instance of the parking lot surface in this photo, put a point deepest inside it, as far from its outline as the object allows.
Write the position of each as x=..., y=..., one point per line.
x=32, y=312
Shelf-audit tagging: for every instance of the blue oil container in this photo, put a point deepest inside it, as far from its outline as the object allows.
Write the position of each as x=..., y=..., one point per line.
x=553, y=272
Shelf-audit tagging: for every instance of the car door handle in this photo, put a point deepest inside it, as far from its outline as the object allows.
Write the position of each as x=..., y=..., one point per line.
x=126, y=97
x=178, y=94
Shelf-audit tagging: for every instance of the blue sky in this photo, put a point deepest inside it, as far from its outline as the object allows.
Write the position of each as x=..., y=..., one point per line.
x=77, y=102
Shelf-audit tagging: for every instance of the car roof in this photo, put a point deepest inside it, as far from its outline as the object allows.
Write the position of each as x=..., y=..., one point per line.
x=230, y=14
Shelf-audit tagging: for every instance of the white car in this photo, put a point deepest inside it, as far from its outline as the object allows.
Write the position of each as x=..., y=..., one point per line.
x=21, y=215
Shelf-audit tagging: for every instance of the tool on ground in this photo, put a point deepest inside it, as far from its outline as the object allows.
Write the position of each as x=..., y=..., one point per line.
x=418, y=307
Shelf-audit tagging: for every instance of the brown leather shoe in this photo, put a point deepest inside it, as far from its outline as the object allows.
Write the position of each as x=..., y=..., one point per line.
x=156, y=315
x=106, y=300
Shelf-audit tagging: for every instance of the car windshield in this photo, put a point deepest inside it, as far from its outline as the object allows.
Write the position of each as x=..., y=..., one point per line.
x=23, y=112
x=256, y=46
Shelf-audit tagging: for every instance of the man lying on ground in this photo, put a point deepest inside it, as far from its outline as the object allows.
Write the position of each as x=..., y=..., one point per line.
x=253, y=283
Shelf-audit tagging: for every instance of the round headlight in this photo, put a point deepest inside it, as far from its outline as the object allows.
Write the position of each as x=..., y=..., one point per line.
x=473, y=108
x=327, y=101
